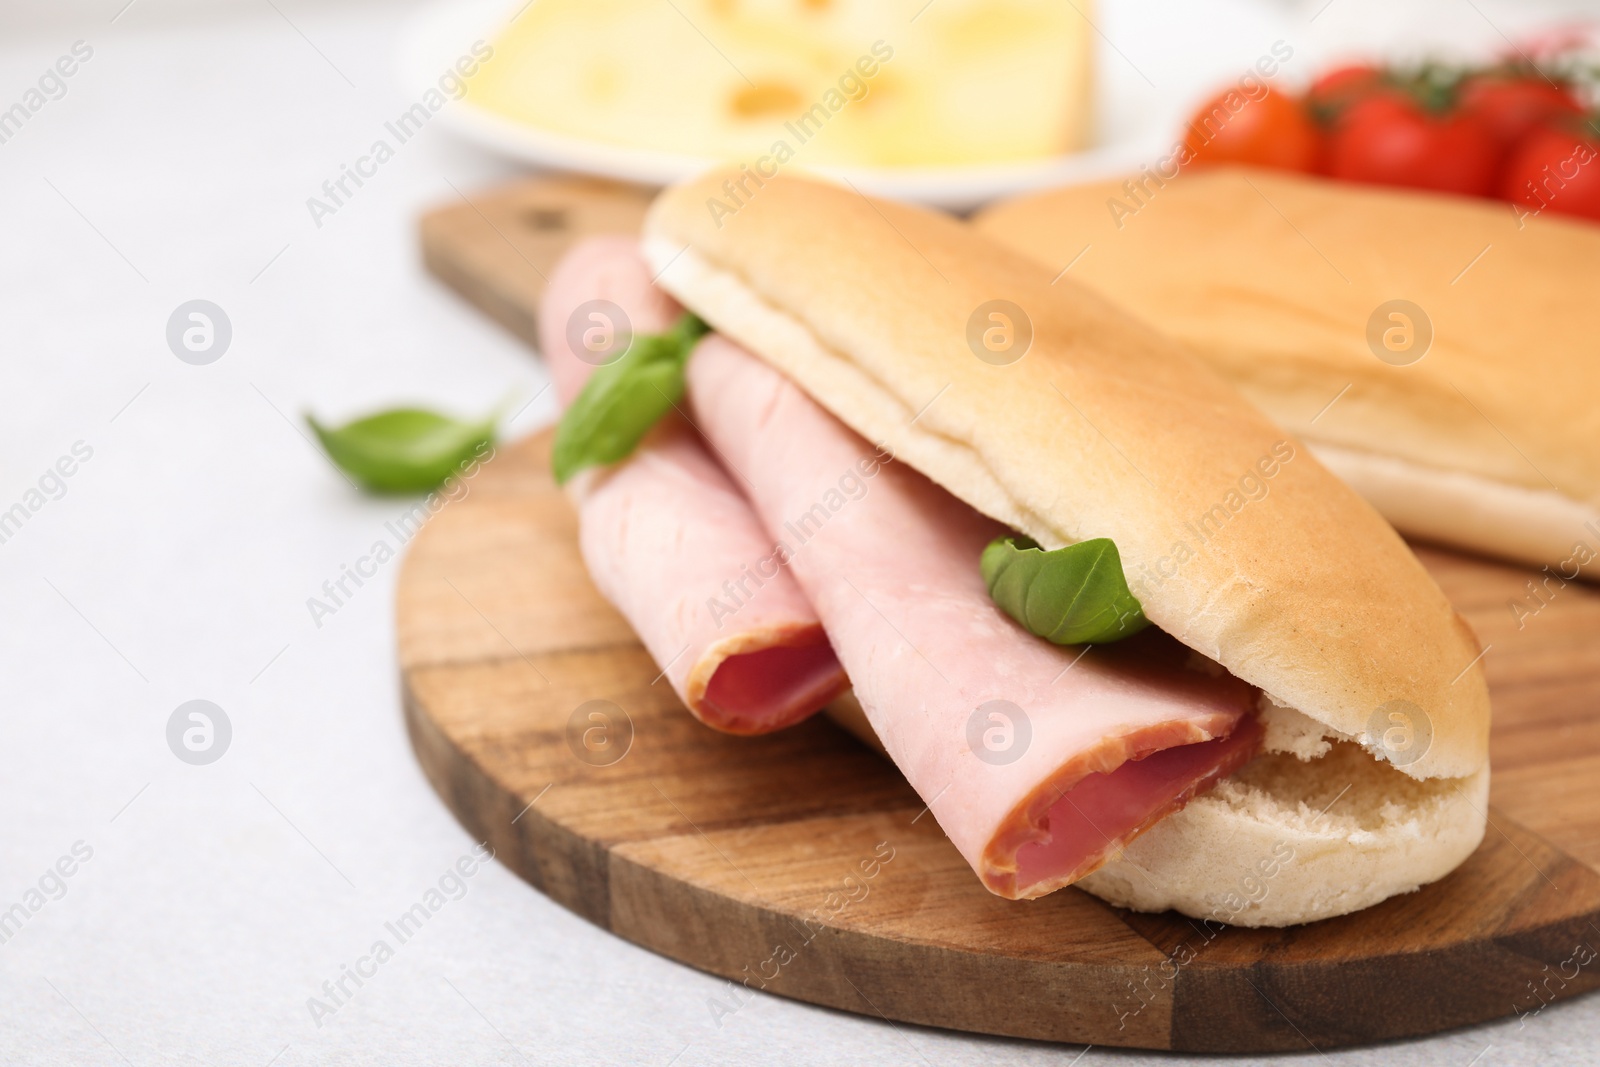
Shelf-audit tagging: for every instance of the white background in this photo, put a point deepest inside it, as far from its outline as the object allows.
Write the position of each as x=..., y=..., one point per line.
x=178, y=563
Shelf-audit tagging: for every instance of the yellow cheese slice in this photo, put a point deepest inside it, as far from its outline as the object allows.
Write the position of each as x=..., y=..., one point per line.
x=824, y=82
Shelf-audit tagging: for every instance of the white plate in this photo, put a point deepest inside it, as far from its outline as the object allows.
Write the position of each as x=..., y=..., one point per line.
x=440, y=33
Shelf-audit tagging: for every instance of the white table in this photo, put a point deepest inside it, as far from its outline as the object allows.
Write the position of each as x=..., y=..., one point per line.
x=176, y=561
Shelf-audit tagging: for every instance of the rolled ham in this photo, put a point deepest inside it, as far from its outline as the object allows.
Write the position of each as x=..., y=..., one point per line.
x=670, y=541
x=1039, y=761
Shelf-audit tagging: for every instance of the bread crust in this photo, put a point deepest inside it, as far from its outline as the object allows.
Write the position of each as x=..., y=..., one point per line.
x=1451, y=507
x=1241, y=855
x=1272, y=278
x=1103, y=428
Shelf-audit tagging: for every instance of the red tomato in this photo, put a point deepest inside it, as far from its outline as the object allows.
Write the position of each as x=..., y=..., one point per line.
x=1390, y=140
x=1556, y=169
x=1269, y=130
x=1513, y=105
x=1340, y=87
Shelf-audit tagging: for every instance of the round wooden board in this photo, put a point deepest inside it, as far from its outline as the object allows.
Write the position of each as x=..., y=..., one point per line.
x=801, y=863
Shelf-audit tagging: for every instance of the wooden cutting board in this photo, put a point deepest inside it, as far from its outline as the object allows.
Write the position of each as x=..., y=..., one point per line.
x=802, y=864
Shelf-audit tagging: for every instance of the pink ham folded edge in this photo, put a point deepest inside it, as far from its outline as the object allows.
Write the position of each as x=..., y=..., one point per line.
x=1095, y=745
x=671, y=542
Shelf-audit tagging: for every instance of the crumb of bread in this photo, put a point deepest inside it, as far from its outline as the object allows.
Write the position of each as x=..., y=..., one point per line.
x=1295, y=733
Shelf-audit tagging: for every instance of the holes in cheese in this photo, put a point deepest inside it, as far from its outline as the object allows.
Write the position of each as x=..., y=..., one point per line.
x=765, y=100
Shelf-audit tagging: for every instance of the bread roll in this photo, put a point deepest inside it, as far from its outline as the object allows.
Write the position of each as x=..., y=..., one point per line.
x=1237, y=541
x=1470, y=419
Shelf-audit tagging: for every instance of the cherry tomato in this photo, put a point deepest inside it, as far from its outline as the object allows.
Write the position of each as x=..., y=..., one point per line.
x=1514, y=105
x=1269, y=130
x=1389, y=139
x=1340, y=87
x=1556, y=168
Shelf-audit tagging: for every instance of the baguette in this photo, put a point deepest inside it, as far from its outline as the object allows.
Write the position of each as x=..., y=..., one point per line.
x=1473, y=424
x=1236, y=540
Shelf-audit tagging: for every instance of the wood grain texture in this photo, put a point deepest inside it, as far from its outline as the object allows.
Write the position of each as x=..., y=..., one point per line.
x=802, y=864
x=497, y=248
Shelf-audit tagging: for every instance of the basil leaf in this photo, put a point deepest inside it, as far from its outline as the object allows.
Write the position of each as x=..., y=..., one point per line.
x=1072, y=596
x=407, y=450
x=623, y=399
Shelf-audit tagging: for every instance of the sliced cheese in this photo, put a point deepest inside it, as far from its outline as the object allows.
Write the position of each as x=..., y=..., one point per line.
x=821, y=82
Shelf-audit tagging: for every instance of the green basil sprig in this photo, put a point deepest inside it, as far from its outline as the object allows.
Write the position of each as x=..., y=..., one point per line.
x=1072, y=596
x=623, y=399
x=406, y=450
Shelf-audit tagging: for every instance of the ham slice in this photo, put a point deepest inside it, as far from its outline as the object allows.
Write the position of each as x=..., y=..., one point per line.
x=673, y=545
x=1039, y=761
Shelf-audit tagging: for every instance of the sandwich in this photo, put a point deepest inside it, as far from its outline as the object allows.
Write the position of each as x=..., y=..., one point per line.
x=1117, y=628
x=1435, y=352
